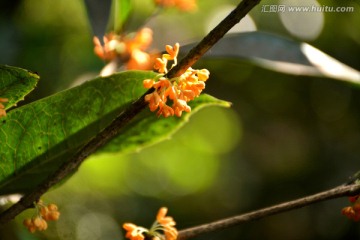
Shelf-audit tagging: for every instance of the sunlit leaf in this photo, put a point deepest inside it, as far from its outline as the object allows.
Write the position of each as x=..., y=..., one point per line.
x=149, y=129
x=282, y=55
x=35, y=139
x=120, y=11
x=15, y=84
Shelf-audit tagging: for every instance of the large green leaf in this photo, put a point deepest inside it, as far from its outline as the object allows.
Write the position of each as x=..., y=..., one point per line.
x=35, y=139
x=16, y=83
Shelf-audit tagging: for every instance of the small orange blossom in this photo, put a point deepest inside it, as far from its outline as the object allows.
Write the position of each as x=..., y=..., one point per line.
x=2, y=107
x=183, y=5
x=130, y=49
x=352, y=212
x=163, y=224
x=44, y=213
x=179, y=90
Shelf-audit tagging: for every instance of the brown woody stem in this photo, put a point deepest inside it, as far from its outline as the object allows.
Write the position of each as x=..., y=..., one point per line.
x=340, y=191
x=213, y=37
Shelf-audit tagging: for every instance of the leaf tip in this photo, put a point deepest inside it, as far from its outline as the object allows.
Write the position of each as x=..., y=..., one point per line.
x=34, y=74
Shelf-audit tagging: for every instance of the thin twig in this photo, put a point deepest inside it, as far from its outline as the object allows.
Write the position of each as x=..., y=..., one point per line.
x=215, y=35
x=340, y=191
x=126, y=116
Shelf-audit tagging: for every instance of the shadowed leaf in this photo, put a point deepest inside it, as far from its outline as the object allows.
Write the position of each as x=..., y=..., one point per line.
x=280, y=54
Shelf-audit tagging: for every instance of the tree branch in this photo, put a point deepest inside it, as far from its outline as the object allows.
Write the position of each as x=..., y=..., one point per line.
x=340, y=191
x=127, y=115
x=215, y=35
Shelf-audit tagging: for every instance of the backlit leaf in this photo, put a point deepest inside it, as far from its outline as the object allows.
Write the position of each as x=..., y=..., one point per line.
x=280, y=54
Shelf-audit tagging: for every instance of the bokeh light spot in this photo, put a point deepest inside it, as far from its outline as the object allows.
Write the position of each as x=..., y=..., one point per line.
x=303, y=24
x=247, y=24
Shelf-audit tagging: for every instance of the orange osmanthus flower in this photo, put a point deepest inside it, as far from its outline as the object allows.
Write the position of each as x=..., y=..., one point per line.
x=163, y=224
x=49, y=212
x=179, y=90
x=108, y=51
x=130, y=49
x=34, y=224
x=134, y=232
x=183, y=5
x=44, y=214
x=2, y=107
x=167, y=223
x=353, y=199
x=353, y=212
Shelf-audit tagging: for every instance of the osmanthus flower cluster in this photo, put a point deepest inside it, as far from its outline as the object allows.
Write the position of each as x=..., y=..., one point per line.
x=353, y=212
x=2, y=107
x=162, y=229
x=43, y=214
x=130, y=49
x=183, y=5
x=179, y=90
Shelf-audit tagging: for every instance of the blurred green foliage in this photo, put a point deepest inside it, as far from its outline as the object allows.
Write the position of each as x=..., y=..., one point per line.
x=285, y=136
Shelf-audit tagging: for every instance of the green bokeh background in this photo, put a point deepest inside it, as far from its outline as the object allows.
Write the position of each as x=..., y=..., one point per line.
x=284, y=137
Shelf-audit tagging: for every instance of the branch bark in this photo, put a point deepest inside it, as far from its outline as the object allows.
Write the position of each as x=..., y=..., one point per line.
x=213, y=37
x=340, y=191
x=126, y=116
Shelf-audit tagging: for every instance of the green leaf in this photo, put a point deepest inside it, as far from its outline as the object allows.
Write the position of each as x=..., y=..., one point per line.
x=37, y=138
x=108, y=15
x=149, y=129
x=120, y=12
x=15, y=84
x=98, y=13
x=280, y=54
